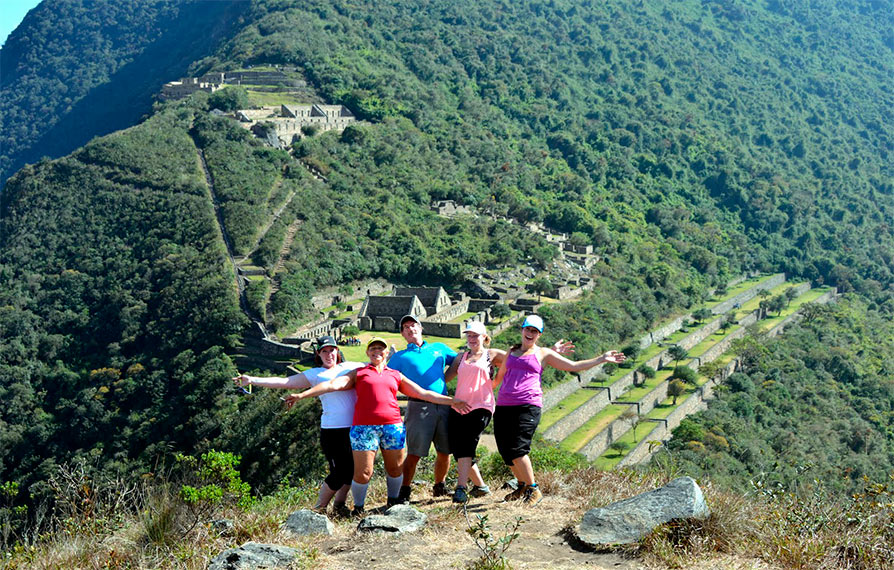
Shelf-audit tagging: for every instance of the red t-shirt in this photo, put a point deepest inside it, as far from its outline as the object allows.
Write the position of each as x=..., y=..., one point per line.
x=376, y=397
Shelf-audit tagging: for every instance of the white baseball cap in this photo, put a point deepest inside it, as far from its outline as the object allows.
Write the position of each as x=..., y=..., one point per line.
x=533, y=321
x=476, y=327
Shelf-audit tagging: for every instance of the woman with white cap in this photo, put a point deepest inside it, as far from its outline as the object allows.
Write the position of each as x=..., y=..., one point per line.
x=377, y=423
x=335, y=423
x=520, y=400
x=473, y=370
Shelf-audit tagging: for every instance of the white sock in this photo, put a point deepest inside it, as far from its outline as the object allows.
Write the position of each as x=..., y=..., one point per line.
x=358, y=491
x=393, y=484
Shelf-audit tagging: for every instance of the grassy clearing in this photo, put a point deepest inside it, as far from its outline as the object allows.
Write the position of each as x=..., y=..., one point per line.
x=267, y=99
x=610, y=459
x=635, y=394
x=591, y=427
x=564, y=407
x=793, y=307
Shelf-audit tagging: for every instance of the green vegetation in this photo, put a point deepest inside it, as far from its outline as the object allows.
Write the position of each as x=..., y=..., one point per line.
x=814, y=404
x=688, y=143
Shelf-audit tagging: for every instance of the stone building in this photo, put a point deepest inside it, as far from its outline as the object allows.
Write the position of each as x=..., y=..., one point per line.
x=383, y=313
x=449, y=208
x=434, y=299
x=186, y=87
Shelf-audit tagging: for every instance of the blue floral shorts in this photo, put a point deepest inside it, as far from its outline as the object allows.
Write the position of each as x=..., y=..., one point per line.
x=371, y=438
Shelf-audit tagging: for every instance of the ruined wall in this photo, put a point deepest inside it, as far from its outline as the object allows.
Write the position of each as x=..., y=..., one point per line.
x=565, y=426
x=449, y=330
x=450, y=313
x=745, y=296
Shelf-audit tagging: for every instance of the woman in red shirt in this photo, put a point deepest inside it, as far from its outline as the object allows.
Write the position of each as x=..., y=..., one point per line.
x=377, y=423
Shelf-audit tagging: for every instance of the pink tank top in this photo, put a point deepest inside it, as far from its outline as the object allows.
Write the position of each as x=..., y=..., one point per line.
x=473, y=383
x=521, y=383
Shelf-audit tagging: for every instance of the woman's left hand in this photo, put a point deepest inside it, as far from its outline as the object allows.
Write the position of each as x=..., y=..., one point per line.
x=614, y=356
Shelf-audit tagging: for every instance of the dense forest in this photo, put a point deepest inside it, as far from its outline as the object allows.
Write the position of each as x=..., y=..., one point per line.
x=688, y=143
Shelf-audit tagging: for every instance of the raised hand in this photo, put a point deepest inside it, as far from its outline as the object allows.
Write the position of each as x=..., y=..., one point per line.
x=564, y=347
x=241, y=380
x=614, y=356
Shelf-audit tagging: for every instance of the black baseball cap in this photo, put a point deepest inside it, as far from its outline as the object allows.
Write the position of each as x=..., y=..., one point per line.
x=325, y=341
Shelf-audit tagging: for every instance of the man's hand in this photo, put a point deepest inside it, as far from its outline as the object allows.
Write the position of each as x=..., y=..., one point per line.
x=460, y=406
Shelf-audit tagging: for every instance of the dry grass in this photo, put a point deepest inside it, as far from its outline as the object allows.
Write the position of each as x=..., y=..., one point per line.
x=771, y=531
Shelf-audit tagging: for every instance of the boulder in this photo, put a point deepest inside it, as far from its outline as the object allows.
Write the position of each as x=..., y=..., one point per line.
x=399, y=518
x=223, y=527
x=306, y=522
x=627, y=521
x=254, y=556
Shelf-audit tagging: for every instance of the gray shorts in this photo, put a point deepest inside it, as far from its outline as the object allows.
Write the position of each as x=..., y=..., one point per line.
x=426, y=423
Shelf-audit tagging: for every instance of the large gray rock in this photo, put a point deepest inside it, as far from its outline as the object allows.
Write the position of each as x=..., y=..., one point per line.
x=254, y=556
x=629, y=520
x=399, y=518
x=306, y=522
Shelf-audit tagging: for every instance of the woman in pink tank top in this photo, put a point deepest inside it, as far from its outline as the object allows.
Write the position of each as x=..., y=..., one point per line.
x=520, y=399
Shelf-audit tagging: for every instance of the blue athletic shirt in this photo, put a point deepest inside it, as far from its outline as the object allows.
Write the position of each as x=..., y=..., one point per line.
x=424, y=364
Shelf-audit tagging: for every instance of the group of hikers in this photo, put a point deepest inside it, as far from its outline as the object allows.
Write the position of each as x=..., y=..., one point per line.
x=361, y=414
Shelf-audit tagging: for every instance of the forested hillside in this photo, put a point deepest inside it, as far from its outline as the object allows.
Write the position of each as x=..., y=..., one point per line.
x=73, y=69
x=689, y=143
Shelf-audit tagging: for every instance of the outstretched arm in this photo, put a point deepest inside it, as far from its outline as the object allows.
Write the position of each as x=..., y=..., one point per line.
x=345, y=382
x=294, y=382
x=559, y=362
x=413, y=390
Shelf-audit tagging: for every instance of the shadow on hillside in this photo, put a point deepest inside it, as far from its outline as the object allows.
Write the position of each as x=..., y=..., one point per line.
x=129, y=94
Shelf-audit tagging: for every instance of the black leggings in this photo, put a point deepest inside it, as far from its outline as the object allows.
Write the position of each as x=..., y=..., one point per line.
x=464, y=431
x=336, y=444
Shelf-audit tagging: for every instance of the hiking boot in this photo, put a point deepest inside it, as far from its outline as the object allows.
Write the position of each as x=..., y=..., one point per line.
x=320, y=510
x=357, y=512
x=393, y=501
x=439, y=490
x=533, y=496
x=517, y=494
x=460, y=496
x=403, y=496
x=479, y=491
x=340, y=511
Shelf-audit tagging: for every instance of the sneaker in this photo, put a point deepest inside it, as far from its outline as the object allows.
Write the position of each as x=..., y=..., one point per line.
x=479, y=491
x=403, y=496
x=533, y=496
x=340, y=511
x=517, y=494
x=460, y=496
x=439, y=490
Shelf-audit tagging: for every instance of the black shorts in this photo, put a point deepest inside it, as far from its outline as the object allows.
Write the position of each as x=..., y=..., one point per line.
x=464, y=431
x=336, y=445
x=514, y=428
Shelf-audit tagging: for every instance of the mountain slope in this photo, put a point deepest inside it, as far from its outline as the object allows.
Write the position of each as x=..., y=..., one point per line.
x=687, y=143
x=75, y=70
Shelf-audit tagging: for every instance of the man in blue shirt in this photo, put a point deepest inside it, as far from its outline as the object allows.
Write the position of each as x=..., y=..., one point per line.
x=426, y=423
